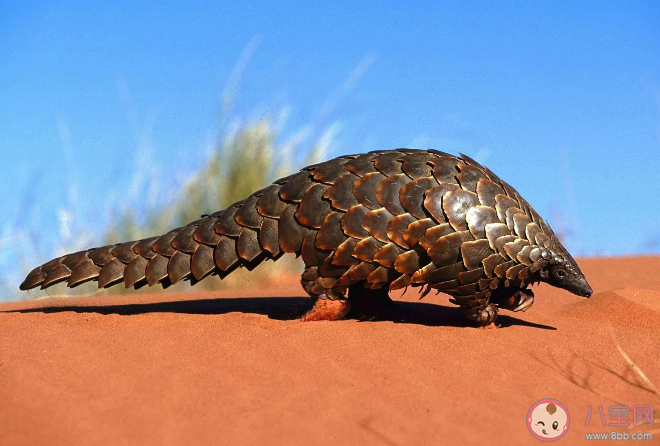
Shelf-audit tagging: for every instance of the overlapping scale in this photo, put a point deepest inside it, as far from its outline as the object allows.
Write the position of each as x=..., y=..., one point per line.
x=226, y=224
x=388, y=163
x=502, y=204
x=294, y=190
x=361, y=165
x=416, y=165
x=57, y=274
x=202, y=263
x=407, y=263
x=416, y=230
x=469, y=176
x=113, y=273
x=478, y=217
x=313, y=208
x=411, y=195
x=184, y=240
x=269, y=236
x=364, y=189
x=134, y=273
x=397, y=226
x=330, y=171
x=473, y=252
x=387, y=254
x=343, y=256
x=376, y=222
x=494, y=231
x=351, y=222
x=433, y=201
x=366, y=249
x=447, y=249
x=444, y=169
x=247, y=245
x=269, y=203
x=85, y=271
x=387, y=193
x=341, y=193
x=456, y=203
x=330, y=235
x=432, y=234
x=178, y=267
x=487, y=190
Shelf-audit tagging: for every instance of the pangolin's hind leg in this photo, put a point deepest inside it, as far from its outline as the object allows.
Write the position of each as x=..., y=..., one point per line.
x=330, y=303
x=482, y=311
x=369, y=304
x=333, y=304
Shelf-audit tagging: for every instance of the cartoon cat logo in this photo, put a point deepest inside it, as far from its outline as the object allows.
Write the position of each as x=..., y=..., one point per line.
x=548, y=420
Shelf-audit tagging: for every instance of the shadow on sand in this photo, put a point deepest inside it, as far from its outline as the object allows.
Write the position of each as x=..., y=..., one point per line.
x=286, y=308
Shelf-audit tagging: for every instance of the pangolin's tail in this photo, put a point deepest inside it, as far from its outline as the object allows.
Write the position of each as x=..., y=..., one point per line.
x=267, y=224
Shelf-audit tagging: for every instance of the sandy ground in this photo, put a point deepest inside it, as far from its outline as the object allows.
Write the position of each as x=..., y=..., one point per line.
x=237, y=368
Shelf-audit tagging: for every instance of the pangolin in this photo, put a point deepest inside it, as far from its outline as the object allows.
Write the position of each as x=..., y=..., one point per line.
x=365, y=224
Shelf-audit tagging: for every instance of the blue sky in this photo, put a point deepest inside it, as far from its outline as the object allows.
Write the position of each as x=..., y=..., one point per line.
x=562, y=99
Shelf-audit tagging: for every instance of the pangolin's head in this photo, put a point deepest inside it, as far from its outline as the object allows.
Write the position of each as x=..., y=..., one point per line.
x=562, y=271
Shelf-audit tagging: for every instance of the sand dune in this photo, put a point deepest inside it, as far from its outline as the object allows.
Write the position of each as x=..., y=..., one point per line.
x=235, y=367
x=640, y=305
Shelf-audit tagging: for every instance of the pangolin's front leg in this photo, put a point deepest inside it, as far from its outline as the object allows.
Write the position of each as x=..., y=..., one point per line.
x=484, y=311
x=513, y=298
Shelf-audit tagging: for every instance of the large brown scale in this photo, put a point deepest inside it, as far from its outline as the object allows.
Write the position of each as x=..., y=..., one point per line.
x=363, y=223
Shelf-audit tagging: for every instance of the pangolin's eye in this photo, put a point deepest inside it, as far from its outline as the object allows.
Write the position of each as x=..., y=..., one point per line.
x=560, y=274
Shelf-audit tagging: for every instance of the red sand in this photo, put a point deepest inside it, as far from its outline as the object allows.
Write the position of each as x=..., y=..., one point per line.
x=231, y=367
